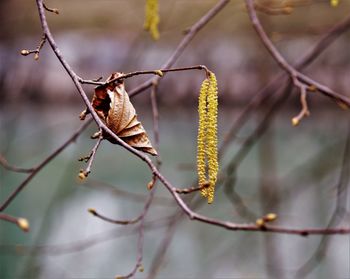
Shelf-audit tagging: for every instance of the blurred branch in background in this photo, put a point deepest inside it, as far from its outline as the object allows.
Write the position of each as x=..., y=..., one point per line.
x=337, y=217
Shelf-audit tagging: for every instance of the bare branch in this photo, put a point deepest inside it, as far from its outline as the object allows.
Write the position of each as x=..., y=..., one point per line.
x=304, y=107
x=90, y=159
x=192, y=215
x=52, y=10
x=13, y=168
x=274, y=85
x=37, y=169
x=159, y=73
x=20, y=222
x=293, y=73
x=191, y=189
x=36, y=51
x=190, y=34
x=155, y=117
x=338, y=213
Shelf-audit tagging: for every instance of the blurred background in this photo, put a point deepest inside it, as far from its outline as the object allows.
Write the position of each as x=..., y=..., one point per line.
x=292, y=171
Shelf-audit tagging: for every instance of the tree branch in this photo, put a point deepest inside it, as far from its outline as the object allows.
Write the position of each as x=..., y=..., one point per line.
x=294, y=74
x=37, y=169
x=192, y=215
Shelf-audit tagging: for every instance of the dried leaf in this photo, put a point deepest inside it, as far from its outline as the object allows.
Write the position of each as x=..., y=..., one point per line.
x=113, y=106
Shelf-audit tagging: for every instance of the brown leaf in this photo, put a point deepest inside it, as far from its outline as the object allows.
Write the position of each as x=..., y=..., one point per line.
x=113, y=106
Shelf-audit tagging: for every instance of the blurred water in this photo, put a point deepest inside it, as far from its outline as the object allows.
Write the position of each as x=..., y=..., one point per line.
x=66, y=242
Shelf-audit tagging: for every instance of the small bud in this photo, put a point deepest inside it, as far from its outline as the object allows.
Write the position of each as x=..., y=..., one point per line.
x=159, y=73
x=270, y=217
x=82, y=115
x=312, y=88
x=82, y=175
x=260, y=222
x=288, y=10
x=334, y=3
x=150, y=184
x=56, y=11
x=295, y=121
x=23, y=224
x=96, y=135
x=141, y=269
x=36, y=56
x=25, y=52
x=92, y=211
x=342, y=105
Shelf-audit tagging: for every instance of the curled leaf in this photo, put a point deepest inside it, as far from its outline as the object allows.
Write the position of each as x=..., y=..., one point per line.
x=112, y=104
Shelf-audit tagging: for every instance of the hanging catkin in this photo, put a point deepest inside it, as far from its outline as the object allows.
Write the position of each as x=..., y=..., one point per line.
x=152, y=18
x=207, y=154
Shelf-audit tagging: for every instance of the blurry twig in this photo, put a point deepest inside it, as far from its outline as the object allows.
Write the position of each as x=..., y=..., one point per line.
x=37, y=169
x=90, y=159
x=191, y=189
x=164, y=245
x=237, y=201
x=155, y=117
x=232, y=166
x=131, y=221
x=117, y=222
x=273, y=85
x=282, y=10
x=141, y=228
x=304, y=107
x=13, y=168
x=269, y=202
x=36, y=51
x=159, y=73
x=84, y=244
x=190, y=34
x=20, y=222
x=257, y=133
x=297, y=77
x=52, y=10
x=337, y=216
x=162, y=201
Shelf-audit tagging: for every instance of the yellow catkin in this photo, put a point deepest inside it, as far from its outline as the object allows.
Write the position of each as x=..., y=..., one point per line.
x=212, y=142
x=334, y=3
x=152, y=18
x=207, y=154
x=201, y=140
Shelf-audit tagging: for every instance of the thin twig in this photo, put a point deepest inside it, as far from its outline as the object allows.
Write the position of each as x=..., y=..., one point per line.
x=155, y=117
x=141, y=229
x=304, y=107
x=161, y=201
x=117, y=222
x=337, y=216
x=273, y=85
x=72, y=139
x=83, y=244
x=90, y=159
x=282, y=10
x=158, y=73
x=52, y=10
x=293, y=73
x=36, y=51
x=190, y=34
x=191, y=189
x=13, y=168
x=20, y=222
